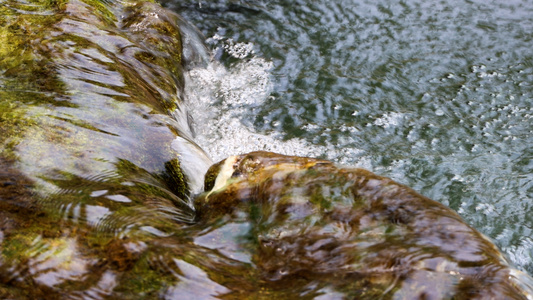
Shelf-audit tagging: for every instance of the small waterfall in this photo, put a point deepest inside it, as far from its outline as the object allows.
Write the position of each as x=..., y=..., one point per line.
x=224, y=101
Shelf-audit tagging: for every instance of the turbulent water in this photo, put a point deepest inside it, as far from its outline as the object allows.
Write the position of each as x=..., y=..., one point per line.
x=436, y=95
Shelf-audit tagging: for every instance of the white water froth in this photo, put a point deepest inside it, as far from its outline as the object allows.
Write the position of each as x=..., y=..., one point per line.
x=220, y=99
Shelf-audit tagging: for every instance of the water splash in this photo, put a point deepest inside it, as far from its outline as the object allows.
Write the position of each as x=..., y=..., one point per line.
x=220, y=99
x=224, y=102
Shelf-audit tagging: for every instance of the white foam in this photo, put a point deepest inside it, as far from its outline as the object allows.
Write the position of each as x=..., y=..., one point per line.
x=391, y=119
x=219, y=99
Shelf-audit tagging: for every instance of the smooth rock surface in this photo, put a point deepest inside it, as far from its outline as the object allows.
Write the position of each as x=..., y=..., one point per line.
x=315, y=227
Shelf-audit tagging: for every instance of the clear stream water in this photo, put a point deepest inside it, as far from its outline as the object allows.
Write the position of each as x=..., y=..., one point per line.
x=435, y=94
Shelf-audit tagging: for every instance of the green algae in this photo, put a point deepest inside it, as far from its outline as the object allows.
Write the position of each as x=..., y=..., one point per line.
x=89, y=182
x=30, y=75
x=176, y=179
x=211, y=176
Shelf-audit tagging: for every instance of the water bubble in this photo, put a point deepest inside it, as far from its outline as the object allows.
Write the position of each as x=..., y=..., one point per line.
x=477, y=68
x=217, y=37
x=389, y=120
x=238, y=50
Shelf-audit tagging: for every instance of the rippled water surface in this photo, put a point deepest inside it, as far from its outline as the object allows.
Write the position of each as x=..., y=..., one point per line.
x=435, y=94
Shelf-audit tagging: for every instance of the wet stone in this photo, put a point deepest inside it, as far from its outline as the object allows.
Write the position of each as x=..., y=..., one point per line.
x=90, y=184
x=315, y=227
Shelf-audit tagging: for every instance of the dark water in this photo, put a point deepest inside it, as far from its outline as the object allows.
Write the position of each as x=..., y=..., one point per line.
x=435, y=94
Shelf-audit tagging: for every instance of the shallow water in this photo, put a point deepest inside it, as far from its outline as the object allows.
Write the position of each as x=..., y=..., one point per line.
x=91, y=174
x=436, y=95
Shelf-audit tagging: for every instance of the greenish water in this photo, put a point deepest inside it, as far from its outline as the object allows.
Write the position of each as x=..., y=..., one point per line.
x=435, y=94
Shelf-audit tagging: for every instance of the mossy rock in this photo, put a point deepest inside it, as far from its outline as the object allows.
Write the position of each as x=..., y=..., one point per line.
x=318, y=229
x=89, y=182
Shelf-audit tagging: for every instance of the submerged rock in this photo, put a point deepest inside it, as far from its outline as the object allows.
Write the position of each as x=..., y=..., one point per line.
x=317, y=229
x=90, y=183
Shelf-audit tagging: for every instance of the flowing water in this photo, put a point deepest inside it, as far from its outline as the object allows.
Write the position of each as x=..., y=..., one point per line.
x=435, y=94
x=99, y=161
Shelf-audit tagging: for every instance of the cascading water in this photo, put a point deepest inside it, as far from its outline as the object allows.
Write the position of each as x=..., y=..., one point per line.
x=220, y=98
x=436, y=96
